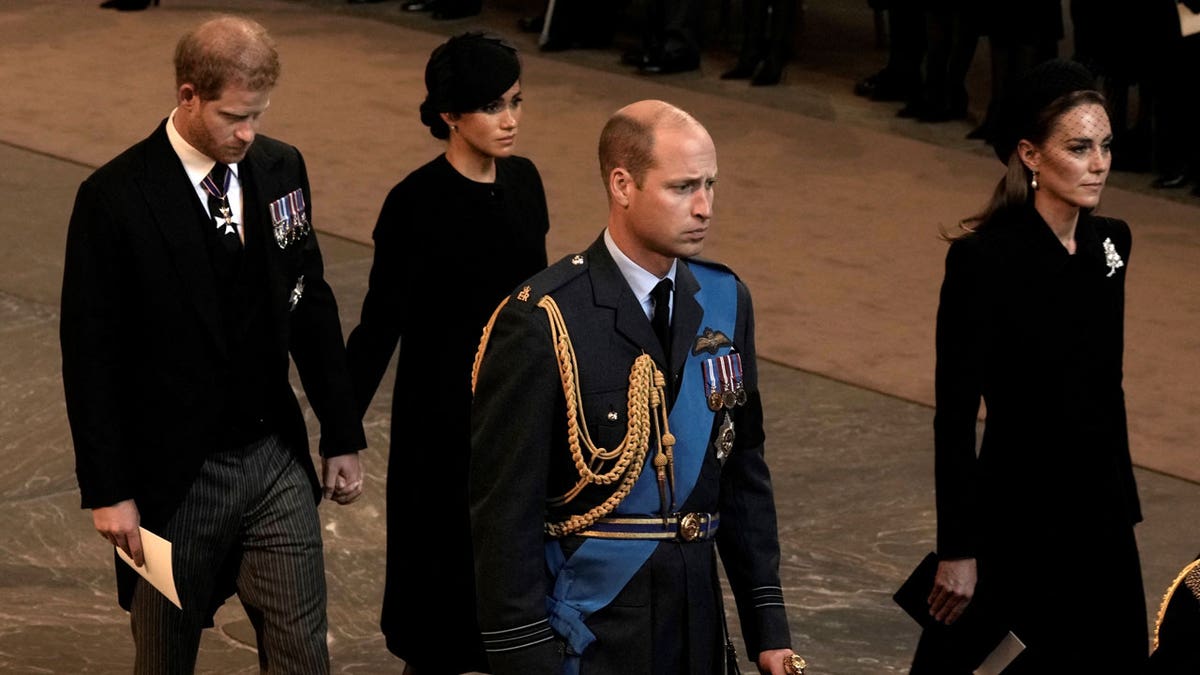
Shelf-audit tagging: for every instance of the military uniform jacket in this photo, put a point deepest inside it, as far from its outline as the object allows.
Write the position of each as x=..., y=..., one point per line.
x=668, y=617
x=143, y=347
x=1177, y=633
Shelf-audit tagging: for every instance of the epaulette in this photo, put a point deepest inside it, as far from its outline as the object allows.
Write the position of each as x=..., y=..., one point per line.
x=548, y=280
x=712, y=264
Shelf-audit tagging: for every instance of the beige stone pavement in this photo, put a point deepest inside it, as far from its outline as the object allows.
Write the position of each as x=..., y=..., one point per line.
x=833, y=223
x=829, y=207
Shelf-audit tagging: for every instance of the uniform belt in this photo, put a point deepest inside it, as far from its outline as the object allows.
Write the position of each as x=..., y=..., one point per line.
x=677, y=527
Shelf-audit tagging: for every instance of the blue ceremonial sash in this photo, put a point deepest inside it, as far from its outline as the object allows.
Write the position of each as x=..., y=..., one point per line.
x=600, y=568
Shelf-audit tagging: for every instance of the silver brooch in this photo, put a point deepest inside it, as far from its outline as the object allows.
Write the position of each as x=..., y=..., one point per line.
x=1111, y=257
x=577, y=260
x=297, y=292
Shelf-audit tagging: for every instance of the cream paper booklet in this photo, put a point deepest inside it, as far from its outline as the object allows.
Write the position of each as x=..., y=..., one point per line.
x=1001, y=656
x=157, y=570
x=1189, y=21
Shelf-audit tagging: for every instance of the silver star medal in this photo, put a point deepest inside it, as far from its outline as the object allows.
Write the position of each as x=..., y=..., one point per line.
x=725, y=435
x=227, y=214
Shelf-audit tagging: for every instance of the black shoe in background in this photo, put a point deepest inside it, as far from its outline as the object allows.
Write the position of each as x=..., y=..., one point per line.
x=911, y=110
x=933, y=113
x=886, y=85
x=866, y=86
x=637, y=56
x=770, y=73
x=412, y=5
x=451, y=14
x=669, y=63
x=531, y=24
x=1170, y=181
x=126, y=5
x=744, y=70
x=446, y=10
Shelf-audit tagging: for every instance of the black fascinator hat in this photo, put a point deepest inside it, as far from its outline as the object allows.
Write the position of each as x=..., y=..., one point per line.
x=465, y=73
x=1018, y=113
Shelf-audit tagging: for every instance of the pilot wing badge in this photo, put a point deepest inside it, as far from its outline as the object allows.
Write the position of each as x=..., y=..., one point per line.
x=710, y=341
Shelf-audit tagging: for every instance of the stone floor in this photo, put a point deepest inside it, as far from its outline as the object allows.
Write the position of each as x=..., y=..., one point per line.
x=852, y=467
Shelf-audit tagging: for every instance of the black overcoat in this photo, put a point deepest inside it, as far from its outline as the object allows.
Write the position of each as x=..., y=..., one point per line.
x=1048, y=505
x=447, y=250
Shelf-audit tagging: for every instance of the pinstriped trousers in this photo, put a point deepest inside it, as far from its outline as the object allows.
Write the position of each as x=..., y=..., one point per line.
x=256, y=500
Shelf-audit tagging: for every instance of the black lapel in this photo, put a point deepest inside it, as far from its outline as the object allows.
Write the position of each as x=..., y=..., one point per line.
x=1088, y=243
x=1041, y=249
x=612, y=291
x=167, y=188
x=685, y=321
x=260, y=185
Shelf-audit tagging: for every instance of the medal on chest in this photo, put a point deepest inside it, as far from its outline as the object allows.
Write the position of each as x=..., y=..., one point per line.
x=723, y=382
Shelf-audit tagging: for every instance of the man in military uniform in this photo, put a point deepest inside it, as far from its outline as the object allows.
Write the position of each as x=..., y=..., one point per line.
x=1177, y=628
x=617, y=436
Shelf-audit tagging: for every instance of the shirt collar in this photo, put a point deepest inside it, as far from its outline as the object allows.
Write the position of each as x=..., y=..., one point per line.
x=195, y=163
x=639, y=280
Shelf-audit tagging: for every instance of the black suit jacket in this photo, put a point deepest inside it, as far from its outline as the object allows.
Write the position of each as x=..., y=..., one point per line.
x=142, y=341
x=519, y=457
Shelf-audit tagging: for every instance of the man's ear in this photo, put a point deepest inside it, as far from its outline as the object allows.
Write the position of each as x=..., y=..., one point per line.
x=187, y=95
x=620, y=184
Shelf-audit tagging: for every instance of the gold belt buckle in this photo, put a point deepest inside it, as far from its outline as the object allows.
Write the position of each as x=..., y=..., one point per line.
x=689, y=527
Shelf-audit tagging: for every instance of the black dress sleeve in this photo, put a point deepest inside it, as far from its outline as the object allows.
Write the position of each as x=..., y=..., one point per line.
x=372, y=343
x=958, y=383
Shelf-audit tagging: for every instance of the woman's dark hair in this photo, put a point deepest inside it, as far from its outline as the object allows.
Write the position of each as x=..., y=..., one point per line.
x=1013, y=191
x=465, y=73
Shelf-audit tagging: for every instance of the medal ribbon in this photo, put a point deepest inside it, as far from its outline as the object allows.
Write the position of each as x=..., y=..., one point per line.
x=711, y=385
x=726, y=376
x=210, y=185
x=287, y=207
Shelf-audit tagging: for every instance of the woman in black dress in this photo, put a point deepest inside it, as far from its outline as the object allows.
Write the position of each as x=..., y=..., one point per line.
x=474, y=218
x=1036, y=532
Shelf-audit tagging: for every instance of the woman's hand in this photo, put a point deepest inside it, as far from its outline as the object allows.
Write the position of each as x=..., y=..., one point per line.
x=953, y=588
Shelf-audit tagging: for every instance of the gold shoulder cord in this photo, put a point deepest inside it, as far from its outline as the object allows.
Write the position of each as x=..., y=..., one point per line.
x=483, y=341
x=624, y=462
x=1190, y=578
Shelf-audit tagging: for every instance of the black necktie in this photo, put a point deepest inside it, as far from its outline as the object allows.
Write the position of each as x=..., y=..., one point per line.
x=216, y=184
x=661, y=320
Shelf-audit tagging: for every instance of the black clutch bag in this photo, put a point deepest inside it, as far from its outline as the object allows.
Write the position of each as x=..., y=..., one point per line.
x=913, y=594
x=965, y=644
